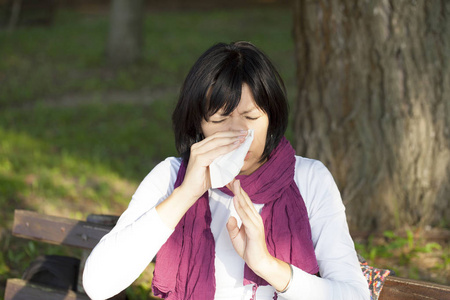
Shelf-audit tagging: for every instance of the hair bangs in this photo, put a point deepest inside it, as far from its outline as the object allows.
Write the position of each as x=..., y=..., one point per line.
x=225, y=93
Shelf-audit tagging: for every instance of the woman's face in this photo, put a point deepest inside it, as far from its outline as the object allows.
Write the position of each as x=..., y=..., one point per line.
x=246, y=116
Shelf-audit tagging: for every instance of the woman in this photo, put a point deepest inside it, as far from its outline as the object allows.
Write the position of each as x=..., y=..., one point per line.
x=278, y=230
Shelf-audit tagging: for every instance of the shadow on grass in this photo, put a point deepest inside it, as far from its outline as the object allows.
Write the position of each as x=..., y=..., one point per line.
x=54, y=154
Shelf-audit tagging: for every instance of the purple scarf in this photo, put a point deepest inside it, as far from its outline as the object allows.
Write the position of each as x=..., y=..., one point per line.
x=185, y=263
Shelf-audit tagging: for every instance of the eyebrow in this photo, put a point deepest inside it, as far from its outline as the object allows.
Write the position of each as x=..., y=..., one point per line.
x=243, y=113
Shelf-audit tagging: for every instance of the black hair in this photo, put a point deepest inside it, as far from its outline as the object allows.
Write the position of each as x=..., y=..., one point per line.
x=215, y=82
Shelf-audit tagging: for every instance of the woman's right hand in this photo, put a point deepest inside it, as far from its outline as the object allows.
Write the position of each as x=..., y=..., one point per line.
x=197, y=179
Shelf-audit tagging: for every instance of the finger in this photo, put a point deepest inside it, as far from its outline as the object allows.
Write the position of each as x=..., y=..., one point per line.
x=222, y=136
x=232, y=227
x=216, y=149
x=206, y=158
x=249, y=219
x=244, y=200
x=214, y=143
x=237, y=236
x=230, y=185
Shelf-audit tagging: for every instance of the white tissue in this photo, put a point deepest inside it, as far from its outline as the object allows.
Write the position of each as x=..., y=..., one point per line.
x=224, y=168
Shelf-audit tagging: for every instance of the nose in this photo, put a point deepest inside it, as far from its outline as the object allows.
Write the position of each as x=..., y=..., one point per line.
x=237, y=122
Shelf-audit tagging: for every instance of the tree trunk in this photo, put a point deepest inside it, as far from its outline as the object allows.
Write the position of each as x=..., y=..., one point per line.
x=125, y=40
x=374, y=105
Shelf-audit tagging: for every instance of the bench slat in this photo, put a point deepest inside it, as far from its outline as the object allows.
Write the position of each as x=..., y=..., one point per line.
x=18, y=289
x=407, y=289
x=57, y=230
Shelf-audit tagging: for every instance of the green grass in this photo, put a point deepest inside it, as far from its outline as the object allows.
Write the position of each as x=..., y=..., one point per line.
x=408, y=255
x=77, y=137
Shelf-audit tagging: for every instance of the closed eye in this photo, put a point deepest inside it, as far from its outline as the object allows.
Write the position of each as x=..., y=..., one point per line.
x=218, y=121
x=251, y=119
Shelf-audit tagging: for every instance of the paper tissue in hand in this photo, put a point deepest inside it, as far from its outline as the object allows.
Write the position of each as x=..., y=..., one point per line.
x=224, y=168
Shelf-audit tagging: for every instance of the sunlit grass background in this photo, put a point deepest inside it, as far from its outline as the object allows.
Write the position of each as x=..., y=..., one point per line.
x=77, y=137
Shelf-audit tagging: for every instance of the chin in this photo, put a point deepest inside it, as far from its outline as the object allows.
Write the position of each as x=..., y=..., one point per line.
x=244, y=169
x=248, y=168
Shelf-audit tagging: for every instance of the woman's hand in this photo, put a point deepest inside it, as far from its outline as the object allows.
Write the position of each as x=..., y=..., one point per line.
x=250, y=243
x=249, y=240
x=197, y=179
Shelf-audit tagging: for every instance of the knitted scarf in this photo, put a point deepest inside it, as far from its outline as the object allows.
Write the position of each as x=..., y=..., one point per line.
x=185, y=263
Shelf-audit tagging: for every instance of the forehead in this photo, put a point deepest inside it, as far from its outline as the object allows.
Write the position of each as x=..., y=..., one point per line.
x=246, y=102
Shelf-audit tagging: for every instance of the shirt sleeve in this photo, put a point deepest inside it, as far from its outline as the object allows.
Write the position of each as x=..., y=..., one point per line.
x=341, y=275
x=123, y=254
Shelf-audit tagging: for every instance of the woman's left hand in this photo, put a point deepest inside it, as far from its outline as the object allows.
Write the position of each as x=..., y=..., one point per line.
x=249, y=241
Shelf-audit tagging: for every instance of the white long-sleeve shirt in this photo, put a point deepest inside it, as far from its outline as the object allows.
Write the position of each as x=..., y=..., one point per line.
x=123, y=254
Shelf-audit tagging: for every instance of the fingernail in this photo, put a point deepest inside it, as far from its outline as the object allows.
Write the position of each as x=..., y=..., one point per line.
x=239, y=139
x=243, y=131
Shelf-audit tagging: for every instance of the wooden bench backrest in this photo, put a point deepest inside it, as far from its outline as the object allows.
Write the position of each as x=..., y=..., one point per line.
x=57, y=230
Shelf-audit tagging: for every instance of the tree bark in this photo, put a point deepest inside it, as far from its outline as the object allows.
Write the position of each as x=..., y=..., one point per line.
x=374, y=105
x=125, y=40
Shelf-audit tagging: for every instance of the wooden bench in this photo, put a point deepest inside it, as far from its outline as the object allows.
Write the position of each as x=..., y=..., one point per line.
x=407, y=289
x=86, y=234
x=59, y=231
